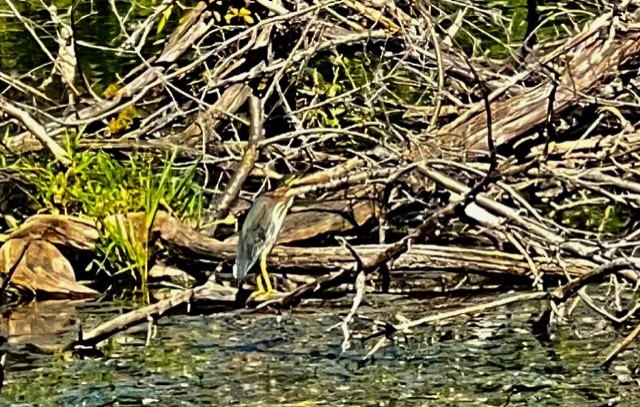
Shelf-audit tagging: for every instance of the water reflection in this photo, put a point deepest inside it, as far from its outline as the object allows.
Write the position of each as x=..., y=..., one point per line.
x=96, y=49
x=230, y=359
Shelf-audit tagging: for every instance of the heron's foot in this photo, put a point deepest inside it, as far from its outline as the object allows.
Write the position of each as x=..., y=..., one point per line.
x=264, y=291
x=262, y=296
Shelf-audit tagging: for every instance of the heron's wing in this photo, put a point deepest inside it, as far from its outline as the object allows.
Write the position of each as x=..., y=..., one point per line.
x=260, y=231
x=252, y=245
x=248, y=254
x=253, y=236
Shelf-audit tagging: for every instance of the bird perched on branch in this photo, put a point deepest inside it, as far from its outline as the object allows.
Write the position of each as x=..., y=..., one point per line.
x=259, y=234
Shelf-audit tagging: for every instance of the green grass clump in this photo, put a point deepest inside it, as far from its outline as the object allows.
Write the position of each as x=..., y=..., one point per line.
x=99, y=186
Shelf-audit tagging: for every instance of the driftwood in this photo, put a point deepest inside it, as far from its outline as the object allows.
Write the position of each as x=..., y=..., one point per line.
x=30, y=260
x=178, y=303
x=77, y=233
x=220, y=208
x=184, y=241
x=41, y=269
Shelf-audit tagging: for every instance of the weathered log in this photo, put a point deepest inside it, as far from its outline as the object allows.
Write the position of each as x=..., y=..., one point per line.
x=191, y=245
x=594, y=56
x=30, y=260
x=71, y=231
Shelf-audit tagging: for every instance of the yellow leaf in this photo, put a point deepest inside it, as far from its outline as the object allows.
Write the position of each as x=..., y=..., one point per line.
x=114, y=126
x=231, y=13
x=263, y=84
x=111, y=90
x=229, y=220
x=246, y=15
x=165, y=17
x=128, y=113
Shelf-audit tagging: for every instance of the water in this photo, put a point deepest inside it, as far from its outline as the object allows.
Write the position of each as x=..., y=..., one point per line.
x=97, y=30
x=261, y=359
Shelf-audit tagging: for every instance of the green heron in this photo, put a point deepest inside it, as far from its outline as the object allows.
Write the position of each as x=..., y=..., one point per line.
x=259, y=234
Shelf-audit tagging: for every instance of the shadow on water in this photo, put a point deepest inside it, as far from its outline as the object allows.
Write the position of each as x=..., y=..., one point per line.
x=230, y=359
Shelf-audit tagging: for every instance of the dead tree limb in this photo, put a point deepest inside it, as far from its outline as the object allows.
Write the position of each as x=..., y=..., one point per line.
x=565, y=292
x=36, y=129
x=620, y=347
x=223, y=203
x=594, y=57
x=207, y=292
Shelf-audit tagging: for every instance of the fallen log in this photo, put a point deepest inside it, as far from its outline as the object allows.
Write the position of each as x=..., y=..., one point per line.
x=594, y=55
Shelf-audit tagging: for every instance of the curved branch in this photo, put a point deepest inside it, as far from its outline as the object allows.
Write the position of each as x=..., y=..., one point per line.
x=221, y=207
x=36, y=129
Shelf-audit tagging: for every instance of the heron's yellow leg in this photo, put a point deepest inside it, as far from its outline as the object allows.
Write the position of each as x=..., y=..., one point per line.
x=262, y=280
x=265, y=275
x=259, y=285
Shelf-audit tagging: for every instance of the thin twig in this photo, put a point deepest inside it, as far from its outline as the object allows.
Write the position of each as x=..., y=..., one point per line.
x=620, y=347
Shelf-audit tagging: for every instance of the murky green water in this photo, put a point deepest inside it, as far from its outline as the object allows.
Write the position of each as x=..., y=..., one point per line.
x=229, y=359
x=97, y=32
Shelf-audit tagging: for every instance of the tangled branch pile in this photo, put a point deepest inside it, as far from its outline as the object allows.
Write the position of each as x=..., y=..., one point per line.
x=442, y=164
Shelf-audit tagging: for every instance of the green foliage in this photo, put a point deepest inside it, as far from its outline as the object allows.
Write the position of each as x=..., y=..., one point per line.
x=497, y=29
x=330, y=78
x=604, y=219
x=98, y=186
x=333, y=76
